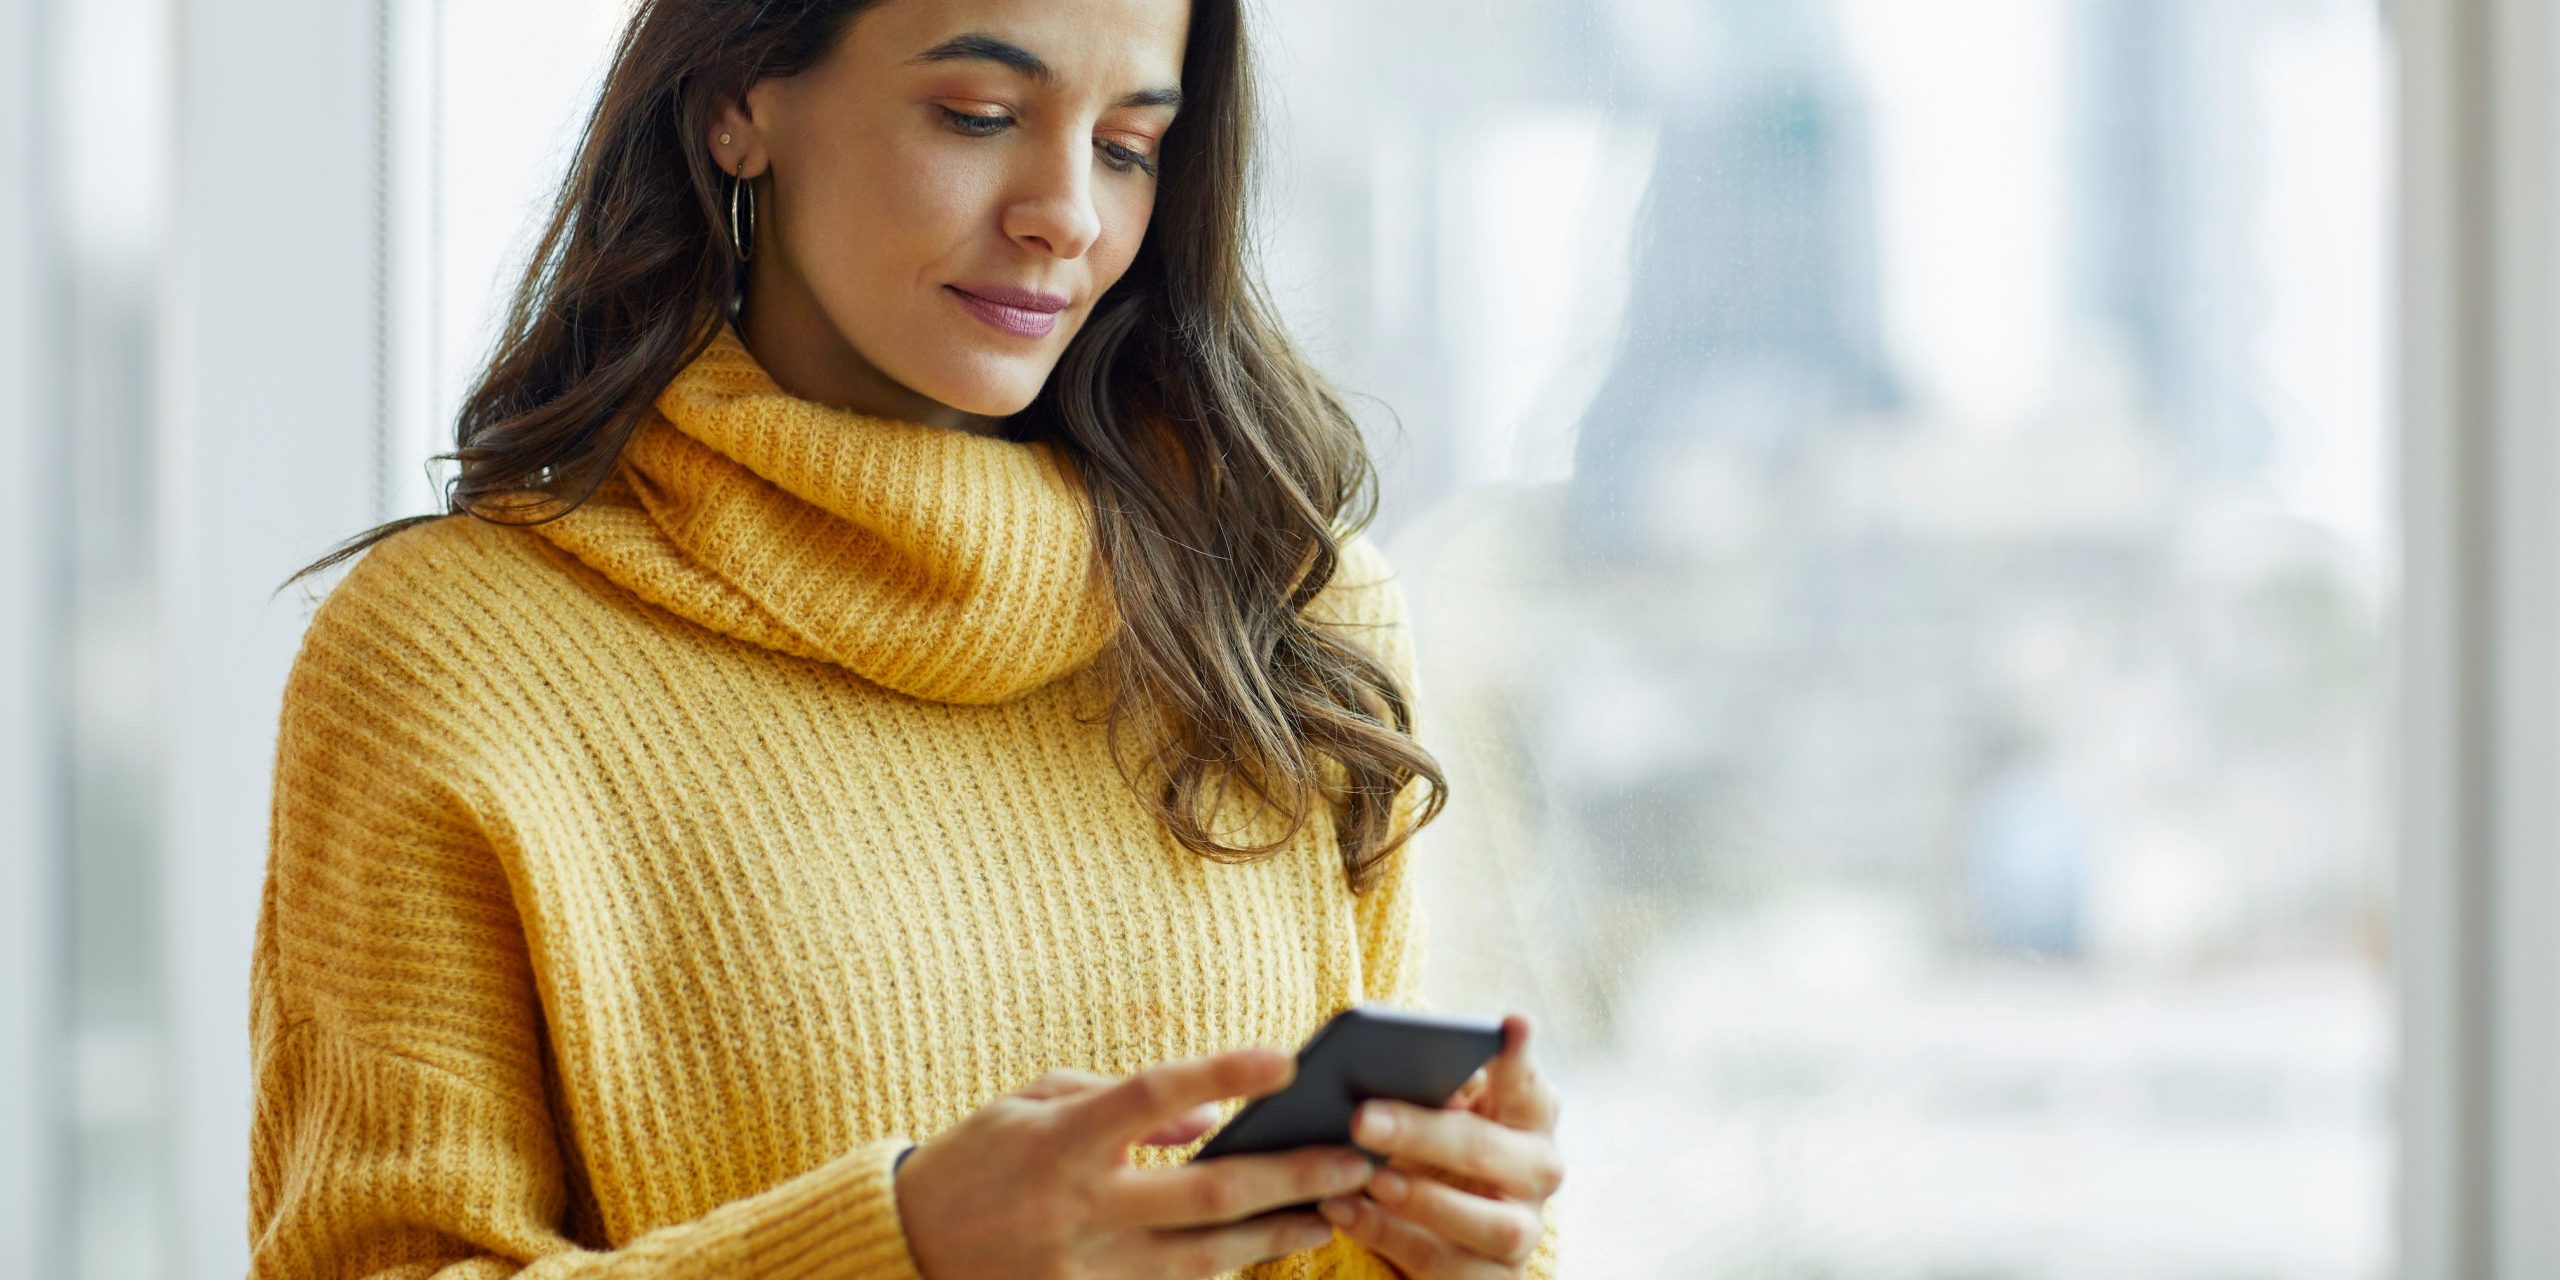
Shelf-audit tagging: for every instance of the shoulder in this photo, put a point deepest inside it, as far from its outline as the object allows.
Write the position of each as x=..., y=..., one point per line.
x=413, y=614
x=403, y=581
x=1364, y=586
x=1365, y=599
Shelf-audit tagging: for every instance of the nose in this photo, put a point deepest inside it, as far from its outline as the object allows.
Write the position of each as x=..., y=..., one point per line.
x=1053, y=205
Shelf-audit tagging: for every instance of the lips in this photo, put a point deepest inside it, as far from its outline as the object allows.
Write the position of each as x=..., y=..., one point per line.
x=1022, y=312
x=1014, y=295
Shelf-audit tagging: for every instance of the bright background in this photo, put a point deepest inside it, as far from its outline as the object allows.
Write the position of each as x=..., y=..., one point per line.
x=1901, y=504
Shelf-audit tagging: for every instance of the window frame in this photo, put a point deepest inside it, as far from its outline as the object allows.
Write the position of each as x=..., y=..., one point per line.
x=2476, y=957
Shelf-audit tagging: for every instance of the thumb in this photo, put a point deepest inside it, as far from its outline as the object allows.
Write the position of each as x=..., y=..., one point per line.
x=1060, y=1082
x=1182, y=1128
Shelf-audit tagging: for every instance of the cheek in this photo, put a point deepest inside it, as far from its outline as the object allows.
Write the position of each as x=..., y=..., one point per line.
x=1124, y=229
x=879, y=212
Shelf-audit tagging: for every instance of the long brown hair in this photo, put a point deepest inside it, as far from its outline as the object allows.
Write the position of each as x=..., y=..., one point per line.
x=1225, y=471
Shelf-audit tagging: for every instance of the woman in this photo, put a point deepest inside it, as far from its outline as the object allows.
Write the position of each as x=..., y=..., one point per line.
x=899, y=697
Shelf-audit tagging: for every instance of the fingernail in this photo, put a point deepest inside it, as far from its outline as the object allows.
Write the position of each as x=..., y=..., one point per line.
x=1386, y=1184
x=1337, y=1210
x=1375, y=1124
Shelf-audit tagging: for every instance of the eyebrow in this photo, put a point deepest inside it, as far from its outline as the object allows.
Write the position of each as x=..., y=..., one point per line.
x=979, y=47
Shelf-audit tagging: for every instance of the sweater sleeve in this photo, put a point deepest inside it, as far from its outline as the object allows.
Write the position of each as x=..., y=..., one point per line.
x=401, y=1120
x=1391, y=921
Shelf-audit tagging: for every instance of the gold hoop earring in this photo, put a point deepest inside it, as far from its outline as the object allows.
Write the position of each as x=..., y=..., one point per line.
x=742, y=229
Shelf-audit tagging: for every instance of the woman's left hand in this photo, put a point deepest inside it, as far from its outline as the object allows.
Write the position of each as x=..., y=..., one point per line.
x=1461, y=1194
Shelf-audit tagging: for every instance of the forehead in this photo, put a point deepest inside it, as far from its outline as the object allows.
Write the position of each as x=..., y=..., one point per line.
x=1096, y=46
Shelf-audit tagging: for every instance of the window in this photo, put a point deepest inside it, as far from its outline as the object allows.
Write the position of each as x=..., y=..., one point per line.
x=1984, y=573
x=1895, y=501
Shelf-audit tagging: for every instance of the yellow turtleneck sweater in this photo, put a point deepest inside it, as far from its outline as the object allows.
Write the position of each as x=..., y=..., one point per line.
x=643, y=883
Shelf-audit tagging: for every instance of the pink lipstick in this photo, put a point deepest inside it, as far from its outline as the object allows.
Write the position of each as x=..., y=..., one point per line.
x=1027, y=313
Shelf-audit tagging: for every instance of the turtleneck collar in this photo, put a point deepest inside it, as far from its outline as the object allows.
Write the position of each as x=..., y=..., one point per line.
x=946, y=565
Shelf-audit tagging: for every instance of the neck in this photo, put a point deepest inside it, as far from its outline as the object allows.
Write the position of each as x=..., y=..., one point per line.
x=808, y=356
x=941, y=564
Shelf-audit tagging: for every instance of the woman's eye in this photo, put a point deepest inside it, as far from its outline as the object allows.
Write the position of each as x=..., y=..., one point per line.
x=978, y=126
x=1127, y=161
x=969, y=122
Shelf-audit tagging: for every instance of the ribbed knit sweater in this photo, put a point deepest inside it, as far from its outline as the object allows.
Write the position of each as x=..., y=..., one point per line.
x=643, y=883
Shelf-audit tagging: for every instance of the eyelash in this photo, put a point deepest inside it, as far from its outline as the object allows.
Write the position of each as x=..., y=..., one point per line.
x=1122, y=158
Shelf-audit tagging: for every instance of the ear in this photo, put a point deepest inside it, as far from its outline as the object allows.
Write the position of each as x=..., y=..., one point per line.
x=736, y=143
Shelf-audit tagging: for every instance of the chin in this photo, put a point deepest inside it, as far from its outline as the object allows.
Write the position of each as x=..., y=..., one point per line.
x=992, y=389
x=992, y=403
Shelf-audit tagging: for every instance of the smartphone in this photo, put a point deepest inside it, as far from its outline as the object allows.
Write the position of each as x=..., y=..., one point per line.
x=1366, y=1051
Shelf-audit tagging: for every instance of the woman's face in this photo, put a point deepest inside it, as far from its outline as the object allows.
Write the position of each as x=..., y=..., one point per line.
x=928, y=155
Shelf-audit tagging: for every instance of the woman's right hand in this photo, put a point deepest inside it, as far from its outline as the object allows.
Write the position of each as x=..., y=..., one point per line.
x=1037, y=1185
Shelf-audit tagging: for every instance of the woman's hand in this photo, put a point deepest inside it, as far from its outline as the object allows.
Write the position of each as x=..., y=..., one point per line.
x=1462, y=1193
x=1038, y=1182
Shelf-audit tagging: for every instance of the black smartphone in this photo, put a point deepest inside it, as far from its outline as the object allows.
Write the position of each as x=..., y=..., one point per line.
x=1366, y=1051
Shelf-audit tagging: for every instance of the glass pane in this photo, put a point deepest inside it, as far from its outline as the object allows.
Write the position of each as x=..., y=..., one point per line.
x=1893, y=500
